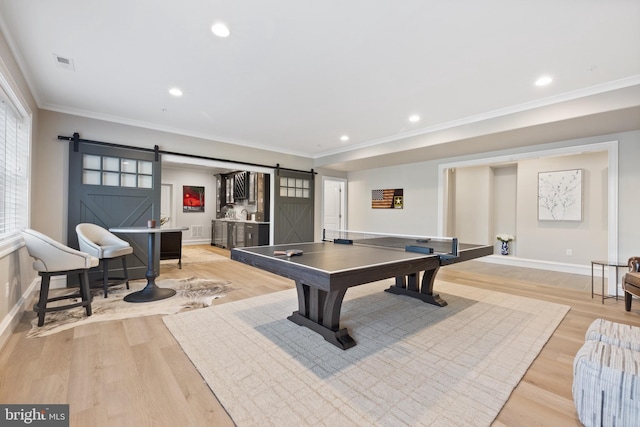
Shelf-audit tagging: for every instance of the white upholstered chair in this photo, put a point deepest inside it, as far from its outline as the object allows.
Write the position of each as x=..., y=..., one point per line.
x=55, y=259
x=105, y=246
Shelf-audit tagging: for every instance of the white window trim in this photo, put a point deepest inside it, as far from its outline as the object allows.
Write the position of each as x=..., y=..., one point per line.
x=11, y=243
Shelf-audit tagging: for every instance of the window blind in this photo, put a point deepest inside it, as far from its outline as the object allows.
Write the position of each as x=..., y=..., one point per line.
x=14, y=170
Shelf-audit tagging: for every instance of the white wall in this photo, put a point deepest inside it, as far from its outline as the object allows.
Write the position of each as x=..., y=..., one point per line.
x=629, y=191
x=587, y=239
x=419, y=215
x=473, y=202
x=550, y=240
x=496, y=200
x=196, y=221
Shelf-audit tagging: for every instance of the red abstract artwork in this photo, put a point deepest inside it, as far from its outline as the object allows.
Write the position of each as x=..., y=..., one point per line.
x=192, y=198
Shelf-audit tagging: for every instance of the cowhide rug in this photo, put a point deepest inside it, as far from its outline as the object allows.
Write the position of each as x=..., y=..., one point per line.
x=191, y=293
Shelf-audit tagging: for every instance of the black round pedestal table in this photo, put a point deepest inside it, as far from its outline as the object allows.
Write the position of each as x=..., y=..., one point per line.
x=151, y=291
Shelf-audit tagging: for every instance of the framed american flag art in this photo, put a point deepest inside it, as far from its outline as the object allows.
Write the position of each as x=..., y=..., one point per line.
x=387, y=199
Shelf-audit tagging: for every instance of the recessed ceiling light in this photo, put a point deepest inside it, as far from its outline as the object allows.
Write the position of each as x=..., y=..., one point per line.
x=415, y=118
x=344, y=138
x=175, y=91
x=220, y=30
x=543, y=81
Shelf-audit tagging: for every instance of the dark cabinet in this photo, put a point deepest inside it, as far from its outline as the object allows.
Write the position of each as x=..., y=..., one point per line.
x=229, y=190
x=219, y=233
x=220, y=197
x=225, y=184
x=256, y=234
x=235, y=234
x=261, y=196
x=251, y=190
x=238, y=234
x=241, y=185
x=171, y=246
x=233, y=187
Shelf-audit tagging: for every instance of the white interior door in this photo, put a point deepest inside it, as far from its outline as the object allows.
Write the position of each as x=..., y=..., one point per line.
x=166, y=203
x=334, y=204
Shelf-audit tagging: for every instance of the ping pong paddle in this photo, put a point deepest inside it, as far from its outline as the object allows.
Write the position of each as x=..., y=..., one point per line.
x=289, y=253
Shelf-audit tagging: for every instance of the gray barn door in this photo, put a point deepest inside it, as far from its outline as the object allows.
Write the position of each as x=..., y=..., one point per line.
x=293, y=204
x=115, y=187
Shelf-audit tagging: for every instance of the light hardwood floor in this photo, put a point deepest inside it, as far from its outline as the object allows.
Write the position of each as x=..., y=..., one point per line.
x=132, y=371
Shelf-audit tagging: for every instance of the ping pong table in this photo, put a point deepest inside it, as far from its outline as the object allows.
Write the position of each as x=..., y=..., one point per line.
x=325, y=270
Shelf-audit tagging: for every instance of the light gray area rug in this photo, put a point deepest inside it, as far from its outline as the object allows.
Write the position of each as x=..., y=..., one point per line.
x=192, y=292
x=414, y=364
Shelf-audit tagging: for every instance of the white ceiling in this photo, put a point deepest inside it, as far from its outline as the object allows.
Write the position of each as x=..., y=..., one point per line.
x=294, y=75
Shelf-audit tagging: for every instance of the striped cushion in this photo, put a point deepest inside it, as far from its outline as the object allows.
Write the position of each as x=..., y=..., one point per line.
x=606, y=385
x=619, y=334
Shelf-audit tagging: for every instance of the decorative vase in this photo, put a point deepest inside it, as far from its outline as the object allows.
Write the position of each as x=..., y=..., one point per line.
x=504, y=250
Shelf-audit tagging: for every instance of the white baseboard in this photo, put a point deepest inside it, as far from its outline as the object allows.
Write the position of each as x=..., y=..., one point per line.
x=584, y=270
x=11, y=320
x=197, y=242
x=541, y=265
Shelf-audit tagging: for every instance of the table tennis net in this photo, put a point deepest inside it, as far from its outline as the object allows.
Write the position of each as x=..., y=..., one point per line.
x=426, y=244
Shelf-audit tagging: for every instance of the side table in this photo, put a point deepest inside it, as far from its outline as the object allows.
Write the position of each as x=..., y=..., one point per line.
x=604, y=264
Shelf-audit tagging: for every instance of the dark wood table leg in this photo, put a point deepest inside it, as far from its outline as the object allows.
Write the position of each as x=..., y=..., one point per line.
x=424, y=293
x=320, y=311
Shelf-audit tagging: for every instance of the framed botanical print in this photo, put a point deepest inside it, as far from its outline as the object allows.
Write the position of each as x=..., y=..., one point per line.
x=560, y=195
